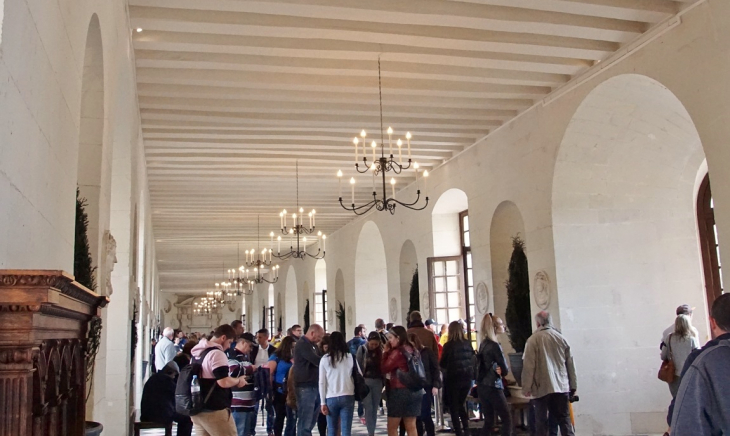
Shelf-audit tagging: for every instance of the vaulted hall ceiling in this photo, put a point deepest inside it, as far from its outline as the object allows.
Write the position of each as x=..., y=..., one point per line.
x=233, y=92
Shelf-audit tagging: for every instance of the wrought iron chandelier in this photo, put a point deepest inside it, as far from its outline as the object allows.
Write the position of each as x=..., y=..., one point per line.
x=298, y=231
x=379, y=166
x=206, y=306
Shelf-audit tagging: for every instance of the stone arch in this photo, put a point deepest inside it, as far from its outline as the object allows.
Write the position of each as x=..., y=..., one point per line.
x=371, y=278
x=291, y=312
x=506, y=223
x=445, y=222
x=407, y=266
x=626, y=248
x=90, y=169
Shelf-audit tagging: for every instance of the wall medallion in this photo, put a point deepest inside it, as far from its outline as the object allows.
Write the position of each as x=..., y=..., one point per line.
x=541, y=289
x=393, y=309
x=426, y=305
x=349, y=315
x=482, y=297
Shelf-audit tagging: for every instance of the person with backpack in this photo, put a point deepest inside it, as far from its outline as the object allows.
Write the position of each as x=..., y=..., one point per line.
x=424, y=423
x=369, y=357
x=210, y=366
x=403, y=401
x=491, y=367
x=353, y=345
x=243, y=405
x=457, y=363
x=279, y=365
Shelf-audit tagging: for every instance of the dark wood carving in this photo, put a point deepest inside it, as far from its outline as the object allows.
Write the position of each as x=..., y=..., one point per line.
x=44, y=317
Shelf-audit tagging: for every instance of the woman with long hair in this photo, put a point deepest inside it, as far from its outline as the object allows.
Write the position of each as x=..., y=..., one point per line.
x=457, y=362
x=324, y=346
x=678, y=346
x=369, y=357
x=336, y=386
x=279, y=364
x=403, y=403
x=491, y=367
x=424, y=423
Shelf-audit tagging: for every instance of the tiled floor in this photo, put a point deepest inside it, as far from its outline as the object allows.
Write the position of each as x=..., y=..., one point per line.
x=357, y=429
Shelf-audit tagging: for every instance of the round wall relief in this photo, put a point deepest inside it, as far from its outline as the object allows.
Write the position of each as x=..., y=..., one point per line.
x=482, y=297
x=168, y=306
x=541, y=289
x=349, y=315
x=393, y=309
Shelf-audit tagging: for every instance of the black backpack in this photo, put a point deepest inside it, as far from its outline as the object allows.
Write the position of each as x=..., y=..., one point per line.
x=415, y=378
x=184, y=404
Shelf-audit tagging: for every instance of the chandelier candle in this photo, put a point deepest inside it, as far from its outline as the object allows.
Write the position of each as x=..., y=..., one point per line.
x=339, y=175
x=355, y=141
x=390, y=142
x=352, y=184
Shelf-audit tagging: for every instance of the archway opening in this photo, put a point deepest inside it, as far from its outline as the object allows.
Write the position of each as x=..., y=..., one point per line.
x=408, y=268
x=320, y=294
x=371, y=278
x=506, y=224
x=91, y=143
x=626, y=247
x=450, y=278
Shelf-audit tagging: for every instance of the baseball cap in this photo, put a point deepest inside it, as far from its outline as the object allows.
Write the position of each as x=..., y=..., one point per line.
x=685, y=309
x=247, y=337
x=429, y=322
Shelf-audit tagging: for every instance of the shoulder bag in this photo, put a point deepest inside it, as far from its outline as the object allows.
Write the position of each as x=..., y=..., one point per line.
x=666, y=371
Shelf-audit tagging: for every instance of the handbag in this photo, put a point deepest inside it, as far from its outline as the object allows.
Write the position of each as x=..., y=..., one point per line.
x=666, y=371
x=361, y=389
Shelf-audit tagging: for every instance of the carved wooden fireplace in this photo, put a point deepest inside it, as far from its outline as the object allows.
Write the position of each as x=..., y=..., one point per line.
x=44, y=321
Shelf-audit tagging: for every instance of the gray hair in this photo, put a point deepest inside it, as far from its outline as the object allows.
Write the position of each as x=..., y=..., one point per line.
x=168, y=332
x=544, y=319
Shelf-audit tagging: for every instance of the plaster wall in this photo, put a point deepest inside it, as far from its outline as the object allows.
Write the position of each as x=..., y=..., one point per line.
x=41, y=73
x=517, y=163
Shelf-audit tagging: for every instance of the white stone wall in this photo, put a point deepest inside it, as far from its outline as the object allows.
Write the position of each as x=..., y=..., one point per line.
x=517, y=164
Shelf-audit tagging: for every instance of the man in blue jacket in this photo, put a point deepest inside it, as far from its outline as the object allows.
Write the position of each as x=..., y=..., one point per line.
x=702, y=406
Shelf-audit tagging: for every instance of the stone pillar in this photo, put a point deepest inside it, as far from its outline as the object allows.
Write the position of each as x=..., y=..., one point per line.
x=44, y=321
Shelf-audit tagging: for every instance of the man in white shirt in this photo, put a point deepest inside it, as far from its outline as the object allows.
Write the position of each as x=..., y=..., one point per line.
x=165, y=349
x=260, y=357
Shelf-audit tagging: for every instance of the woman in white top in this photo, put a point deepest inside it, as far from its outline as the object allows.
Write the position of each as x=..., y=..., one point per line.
x=336, y=387
x=679, y=345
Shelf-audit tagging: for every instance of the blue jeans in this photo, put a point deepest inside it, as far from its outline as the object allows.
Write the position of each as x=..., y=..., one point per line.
x=291, y=422
x=307, y=409
x=243, y=422
x=371, y=403
x=269, y=408
x=340, y=410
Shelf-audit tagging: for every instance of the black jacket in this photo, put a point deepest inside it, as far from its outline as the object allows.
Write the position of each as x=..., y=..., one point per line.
x=490, y=357
x=158, y=399
x=457, y=362
x=431, y=366
x=306, y=364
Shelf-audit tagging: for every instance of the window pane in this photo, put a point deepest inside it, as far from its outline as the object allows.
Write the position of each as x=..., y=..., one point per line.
x=470, y=277
x=454, y=299
x=471, y=294
x=451, y=267
x=466, y=223
x=454, y=314
x=440, y=300
x=441, y=316
x=467, y=242
x=438, y=268
x=438, y=284
x=468, y=260
x=452, y=283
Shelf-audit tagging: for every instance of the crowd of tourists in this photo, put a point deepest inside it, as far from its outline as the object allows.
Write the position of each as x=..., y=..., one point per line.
x=306, y=379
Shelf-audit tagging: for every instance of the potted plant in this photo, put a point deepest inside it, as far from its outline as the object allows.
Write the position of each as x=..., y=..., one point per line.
x=306, y=316
x=84, y=274
x=414, y=296
x=518, y=305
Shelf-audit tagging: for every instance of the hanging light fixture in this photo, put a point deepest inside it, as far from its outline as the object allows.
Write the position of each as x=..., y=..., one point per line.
x=379, y=166
x=259, y=259
x=298, y=231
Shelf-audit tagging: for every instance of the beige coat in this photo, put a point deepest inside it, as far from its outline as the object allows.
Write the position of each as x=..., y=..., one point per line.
x=548, y=364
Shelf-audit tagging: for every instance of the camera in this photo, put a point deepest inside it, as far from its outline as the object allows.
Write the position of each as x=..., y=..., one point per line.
x=573, y=398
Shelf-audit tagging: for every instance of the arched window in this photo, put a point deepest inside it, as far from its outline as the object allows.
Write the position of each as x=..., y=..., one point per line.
x=708, y=242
